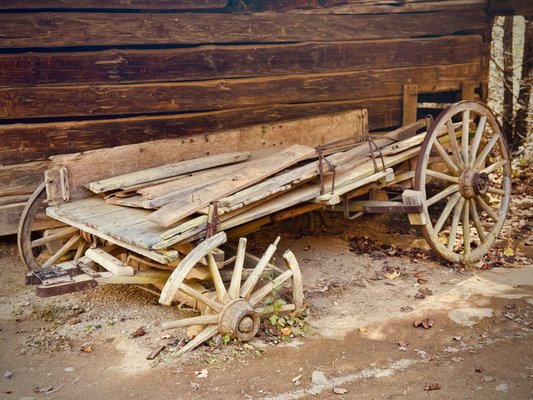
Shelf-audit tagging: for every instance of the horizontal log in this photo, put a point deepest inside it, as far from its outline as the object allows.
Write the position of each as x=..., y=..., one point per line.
x=511, y=7
x=369, y=7
x=10, y=217
x=41, y=30
x=26, y=142
x=70, y=101
x=21, y=179
x=114, y=4
x=211, y=62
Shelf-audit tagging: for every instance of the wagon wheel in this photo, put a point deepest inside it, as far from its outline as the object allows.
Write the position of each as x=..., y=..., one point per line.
x=466, y=182
x=234, y=311
x=57, y=241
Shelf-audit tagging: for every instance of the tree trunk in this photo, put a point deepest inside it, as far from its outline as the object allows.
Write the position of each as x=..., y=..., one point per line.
x=523, y=113
x=507, y=117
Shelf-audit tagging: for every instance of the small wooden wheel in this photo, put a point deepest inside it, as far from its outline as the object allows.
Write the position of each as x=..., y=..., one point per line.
x=464, y=174
x=56, y=242
x=234, y=311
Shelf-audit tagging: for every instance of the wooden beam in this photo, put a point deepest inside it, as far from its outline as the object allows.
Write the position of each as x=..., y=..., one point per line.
x=27, y=142
x=511, y=7
x=114, y=4
x=29, y=102
x=10, y=217
x=211, y=62
x=21, y=178
x=47, y=29
x=410, y=103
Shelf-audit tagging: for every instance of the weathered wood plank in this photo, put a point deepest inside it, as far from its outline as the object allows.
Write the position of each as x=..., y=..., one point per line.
x=511, y=7
x=114, y=4
x=83, y=168
x=28, y=102
x=27, y=142
x=167, y=170
x=21, y=178
x=34, y=30
x=211, y=62
x=254, y=172
x=10, y=217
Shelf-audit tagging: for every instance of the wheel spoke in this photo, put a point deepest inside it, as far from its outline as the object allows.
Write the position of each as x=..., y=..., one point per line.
x=445, y=157
x=199, y=320
x=445, y=193
x=454, y=144
x=235, y=285
x=81, y=249
x=494, y=167
x=249, y=284
x=260, y=294
x=222, y=294
x=452, y=201
x=477, y=139
x=60, y=234
x=62, y=251
x=466, y=136
x=455, y=223
x=485, y=152
x=497, y=191
x=444, y=177
x=477, y=222
x=203, y=336
x=200, y=297
x=466, y=227
x=488, y=209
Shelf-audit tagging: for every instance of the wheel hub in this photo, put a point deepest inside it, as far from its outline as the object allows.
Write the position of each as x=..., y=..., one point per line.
x=238, y=320
x=473, y=183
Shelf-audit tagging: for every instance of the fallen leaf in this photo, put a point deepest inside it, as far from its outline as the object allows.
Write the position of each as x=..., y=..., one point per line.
x=363, y=330
x=510, y=306
x=488, y=378
x=426, y=323
x=457, y=359
x=422, y=281
x=392, y=275
x=432, y=386
x=508, y=252
x=425, y=291
x=139, y=332
x=42, y=389
x=202, y=374
x=87, y=348
x=286, y=331
x=340, y=391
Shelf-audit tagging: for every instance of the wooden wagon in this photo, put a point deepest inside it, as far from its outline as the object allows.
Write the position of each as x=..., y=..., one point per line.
x=158, y=213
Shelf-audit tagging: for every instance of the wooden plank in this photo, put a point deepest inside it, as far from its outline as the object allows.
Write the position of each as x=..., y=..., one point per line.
x=114, y=4
x=83, y=168
x=366, y=6
x=34, y=30
x=109, y=262
x=211, y=62
x=27, y=142
x=21, y=178
x=167, y=170
x=410, y=103
x=511, y=7
x=10, y=217
x=28, y=102
x=263, y=168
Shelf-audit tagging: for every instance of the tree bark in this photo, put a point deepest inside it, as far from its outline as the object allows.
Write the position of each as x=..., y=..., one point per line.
x=507, y=117
x=523, y=113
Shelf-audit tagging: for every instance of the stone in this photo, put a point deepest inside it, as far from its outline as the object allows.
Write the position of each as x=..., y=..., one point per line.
x=69, y=369
x=319, y=378
x=502, y=387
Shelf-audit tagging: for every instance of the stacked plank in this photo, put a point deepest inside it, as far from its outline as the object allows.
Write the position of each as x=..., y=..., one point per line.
x=233, y=189
x=84, y=75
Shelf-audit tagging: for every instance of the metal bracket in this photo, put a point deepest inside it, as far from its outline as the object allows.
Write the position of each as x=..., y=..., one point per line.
x=63, y=179
x=346, y=210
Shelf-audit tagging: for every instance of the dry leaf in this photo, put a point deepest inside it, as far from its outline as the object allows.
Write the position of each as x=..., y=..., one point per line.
x=202, y=374
x=87, y=348
x=432, y=386
x=392, y=275
x=426, y=323
x=363, y=330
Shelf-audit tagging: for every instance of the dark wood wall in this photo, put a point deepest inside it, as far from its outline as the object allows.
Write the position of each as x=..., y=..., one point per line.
x=84, y=74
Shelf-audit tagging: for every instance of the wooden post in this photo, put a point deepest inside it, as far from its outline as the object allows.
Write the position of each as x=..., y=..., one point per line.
x=410, y=103
x=468, y=90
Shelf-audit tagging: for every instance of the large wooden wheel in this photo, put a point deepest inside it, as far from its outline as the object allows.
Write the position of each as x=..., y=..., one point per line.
x=40, y=249
x=464, y=173
x=236, y=310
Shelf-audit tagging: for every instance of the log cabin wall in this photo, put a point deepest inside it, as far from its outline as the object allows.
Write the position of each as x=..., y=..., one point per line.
x=84, y=74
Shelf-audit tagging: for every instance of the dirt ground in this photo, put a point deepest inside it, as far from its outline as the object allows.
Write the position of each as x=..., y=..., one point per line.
x=360, y=343
x=365, y=282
